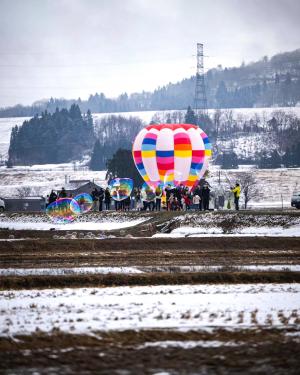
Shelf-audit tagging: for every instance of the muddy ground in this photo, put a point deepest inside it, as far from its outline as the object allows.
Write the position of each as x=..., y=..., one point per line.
x=150, y=252
x=259, y=351
x=227, y=253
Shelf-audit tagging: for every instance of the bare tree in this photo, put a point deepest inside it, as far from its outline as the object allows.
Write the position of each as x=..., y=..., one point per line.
x=249, y=186
x=27, y=191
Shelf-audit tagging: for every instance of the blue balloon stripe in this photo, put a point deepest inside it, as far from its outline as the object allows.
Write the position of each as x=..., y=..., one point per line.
x=149, y=141
x=196, y=165
x=164, y=154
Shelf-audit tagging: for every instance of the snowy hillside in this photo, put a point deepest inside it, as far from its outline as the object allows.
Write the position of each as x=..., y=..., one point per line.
x=6, y=124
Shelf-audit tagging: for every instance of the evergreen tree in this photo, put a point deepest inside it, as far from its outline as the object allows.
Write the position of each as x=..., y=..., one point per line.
x=122, y=165
x=51, y=138
x=190, y=117
x=97, y=157
x=229, y=160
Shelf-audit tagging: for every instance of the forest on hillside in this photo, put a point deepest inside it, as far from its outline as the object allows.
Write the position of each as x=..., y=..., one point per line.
x=60, y=137
x=269, y=82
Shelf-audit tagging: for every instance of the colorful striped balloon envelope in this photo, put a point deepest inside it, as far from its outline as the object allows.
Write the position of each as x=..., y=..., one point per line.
x=171, y=154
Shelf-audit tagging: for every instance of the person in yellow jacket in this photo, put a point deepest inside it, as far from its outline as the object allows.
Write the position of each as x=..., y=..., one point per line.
x=237, y=192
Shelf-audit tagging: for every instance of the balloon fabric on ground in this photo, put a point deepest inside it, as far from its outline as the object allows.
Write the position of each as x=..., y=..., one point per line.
x=120, y=188
x=171, y=153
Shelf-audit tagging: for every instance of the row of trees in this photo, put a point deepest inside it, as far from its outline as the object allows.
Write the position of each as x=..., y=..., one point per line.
x=112, y=133
x=264, y=83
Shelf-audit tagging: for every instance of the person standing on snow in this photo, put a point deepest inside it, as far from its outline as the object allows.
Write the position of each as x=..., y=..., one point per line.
x=237, y=192
x=107, y=199
x=158, y=195
x=205, y=197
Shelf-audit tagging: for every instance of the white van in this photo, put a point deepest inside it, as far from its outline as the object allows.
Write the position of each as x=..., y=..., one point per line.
x=2, y=205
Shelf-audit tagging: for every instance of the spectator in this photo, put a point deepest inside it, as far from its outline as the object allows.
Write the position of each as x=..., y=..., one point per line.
x=52, y=197
x=107, y=199
x=63, y=193
x=127, y=203
x=46, y=201
x=187, y=201
x=100, y=198
x=205, y=197
x=197, y=202
x=95, y=199
x=237, y=192
x=158, y=195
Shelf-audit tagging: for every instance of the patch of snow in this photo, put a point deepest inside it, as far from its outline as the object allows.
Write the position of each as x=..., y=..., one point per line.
x=76, y=225
x=67, y=271
x=189, y=344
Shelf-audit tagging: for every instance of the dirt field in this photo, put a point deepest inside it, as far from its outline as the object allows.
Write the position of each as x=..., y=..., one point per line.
x=261, y=347
x=261, y=351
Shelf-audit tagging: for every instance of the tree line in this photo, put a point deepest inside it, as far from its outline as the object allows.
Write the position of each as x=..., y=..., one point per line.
x=264, y=83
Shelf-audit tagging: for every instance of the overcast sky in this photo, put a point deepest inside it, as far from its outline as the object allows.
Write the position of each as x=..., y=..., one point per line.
x=72, y=48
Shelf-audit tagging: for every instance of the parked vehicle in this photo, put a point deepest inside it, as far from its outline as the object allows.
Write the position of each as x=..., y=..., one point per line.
x=2, y=205
x=296, y=199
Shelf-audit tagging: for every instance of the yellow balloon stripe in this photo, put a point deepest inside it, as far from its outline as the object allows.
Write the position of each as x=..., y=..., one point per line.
x=183, y=153
x=149, y=154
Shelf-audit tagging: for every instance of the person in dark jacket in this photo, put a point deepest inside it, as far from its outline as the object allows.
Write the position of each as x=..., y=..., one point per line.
x=205, y=197
x=52, y=197
x=63, y=193
x=107, y=199
x=100, y=198
x=127, y=203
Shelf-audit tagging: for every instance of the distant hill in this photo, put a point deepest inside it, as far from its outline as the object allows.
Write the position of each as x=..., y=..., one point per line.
x=273, y=82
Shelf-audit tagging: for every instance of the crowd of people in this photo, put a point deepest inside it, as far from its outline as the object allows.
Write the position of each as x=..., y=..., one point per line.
x=169, y=198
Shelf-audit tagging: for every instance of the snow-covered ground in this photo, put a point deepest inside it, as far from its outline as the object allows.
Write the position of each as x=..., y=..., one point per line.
x=293, y=231
x=84, y=222
x=87, y=310
x=219, y=225
x=147, y=269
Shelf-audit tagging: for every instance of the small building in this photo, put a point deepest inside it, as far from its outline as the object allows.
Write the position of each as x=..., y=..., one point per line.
x=75, y=187
x=33, y=204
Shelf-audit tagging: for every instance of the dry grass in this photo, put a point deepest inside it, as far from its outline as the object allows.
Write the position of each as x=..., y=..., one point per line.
x=110, y=280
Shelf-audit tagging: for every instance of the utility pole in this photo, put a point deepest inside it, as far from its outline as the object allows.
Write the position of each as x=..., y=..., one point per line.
x=200, y=101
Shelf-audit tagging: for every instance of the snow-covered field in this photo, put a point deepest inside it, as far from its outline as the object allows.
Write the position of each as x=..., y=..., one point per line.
x=40, y=179
x=92, y=222
x=275, y=185
x=106, y=225
x=219, y=225
x=178, y=307
x=133, y=270
x=293, y=231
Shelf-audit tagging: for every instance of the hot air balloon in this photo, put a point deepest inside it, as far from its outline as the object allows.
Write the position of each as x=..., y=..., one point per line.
x=171, y=154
